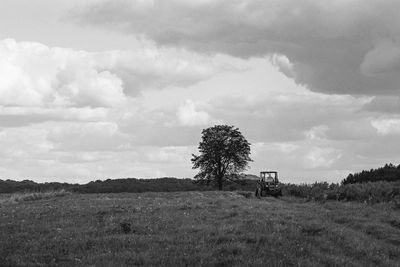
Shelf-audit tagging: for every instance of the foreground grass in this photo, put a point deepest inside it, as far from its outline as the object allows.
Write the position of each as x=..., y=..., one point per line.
x=196, y=228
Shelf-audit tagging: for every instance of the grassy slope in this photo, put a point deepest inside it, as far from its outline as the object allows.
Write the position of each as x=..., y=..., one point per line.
x=196, y=228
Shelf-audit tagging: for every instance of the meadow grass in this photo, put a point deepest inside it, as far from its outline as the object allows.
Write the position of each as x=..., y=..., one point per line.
x=197, y=229
x=31, y=196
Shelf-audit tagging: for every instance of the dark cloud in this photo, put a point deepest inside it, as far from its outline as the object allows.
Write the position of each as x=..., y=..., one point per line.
x=335, y=46
x=384, y=104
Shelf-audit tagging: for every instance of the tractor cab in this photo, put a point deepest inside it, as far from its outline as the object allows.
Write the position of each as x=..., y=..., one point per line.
x=268, y=184
x=270, y=178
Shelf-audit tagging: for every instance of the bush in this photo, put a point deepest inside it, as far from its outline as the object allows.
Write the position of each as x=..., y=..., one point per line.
x=371, y=192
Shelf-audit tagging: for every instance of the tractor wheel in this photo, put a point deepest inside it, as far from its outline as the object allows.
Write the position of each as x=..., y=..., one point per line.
x=278, y=193
x=266, y=192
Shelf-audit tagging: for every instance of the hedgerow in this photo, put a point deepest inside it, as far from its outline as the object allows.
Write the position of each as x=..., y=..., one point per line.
x=372, y=192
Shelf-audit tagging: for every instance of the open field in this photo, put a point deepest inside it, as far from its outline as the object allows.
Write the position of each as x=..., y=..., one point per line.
x=196, y=228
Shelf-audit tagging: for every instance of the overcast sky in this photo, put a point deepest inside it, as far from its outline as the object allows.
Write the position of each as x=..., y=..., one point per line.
x=115, y=88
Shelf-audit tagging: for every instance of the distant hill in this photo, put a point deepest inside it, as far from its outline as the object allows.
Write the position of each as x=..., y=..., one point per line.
x=167, y=184
x=389, y=172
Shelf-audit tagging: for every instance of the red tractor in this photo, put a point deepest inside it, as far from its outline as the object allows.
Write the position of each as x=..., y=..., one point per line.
x=268, y=184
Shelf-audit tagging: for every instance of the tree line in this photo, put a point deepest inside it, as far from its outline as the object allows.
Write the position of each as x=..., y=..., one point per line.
x=389, y=172
x=130, y=185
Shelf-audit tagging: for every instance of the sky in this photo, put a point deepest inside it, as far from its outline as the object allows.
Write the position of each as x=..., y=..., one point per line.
x=103, y=89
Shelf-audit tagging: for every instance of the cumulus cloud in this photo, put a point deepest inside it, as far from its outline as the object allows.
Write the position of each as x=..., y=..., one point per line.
x=317, y=132
x=387, y=126
x=322, y=157
x=36, y=75
x=40, y=83
x=334, y=46
x=189, y=115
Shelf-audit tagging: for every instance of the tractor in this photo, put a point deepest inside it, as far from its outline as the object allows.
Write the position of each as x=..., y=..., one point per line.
x=268, y=184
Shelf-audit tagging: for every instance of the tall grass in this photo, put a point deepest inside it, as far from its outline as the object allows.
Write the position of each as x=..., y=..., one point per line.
x=32, y=196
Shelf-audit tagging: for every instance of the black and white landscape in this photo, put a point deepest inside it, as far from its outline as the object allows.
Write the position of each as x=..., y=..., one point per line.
x=118, y=88
x=94, y=92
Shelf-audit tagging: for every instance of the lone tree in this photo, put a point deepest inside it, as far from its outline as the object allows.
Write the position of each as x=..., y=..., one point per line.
x=224, y=152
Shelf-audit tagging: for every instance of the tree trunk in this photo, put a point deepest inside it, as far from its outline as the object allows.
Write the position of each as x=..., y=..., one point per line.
x=220, y=183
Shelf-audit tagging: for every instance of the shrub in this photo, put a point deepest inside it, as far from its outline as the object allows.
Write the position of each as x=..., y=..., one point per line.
x=371, y=192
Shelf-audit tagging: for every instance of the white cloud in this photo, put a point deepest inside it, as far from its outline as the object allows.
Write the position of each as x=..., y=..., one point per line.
x=387, y=126
x=36, y=75
x=322, y=157
x=317, y=132
x=40, y=83
x=189, y=115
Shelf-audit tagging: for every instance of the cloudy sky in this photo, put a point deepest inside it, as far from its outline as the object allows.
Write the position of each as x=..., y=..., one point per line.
x=115, y=88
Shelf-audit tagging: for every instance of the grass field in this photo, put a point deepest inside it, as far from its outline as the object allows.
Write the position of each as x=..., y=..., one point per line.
x=196, y=228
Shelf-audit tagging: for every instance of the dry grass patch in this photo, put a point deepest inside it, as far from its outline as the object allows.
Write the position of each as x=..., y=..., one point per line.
x=32, y=196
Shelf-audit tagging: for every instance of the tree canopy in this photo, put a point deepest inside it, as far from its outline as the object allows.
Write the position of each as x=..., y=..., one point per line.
x=224, y=152
x=389, y=172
